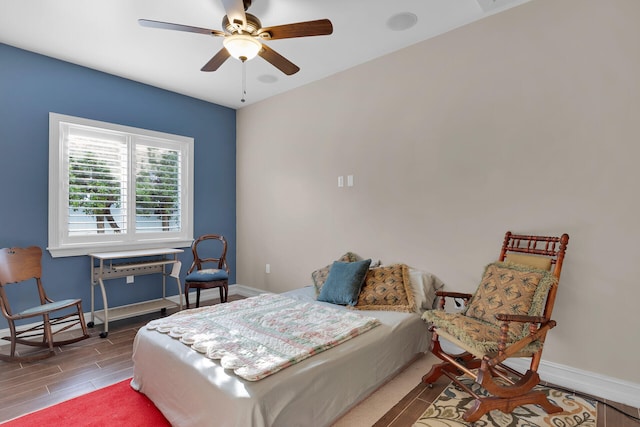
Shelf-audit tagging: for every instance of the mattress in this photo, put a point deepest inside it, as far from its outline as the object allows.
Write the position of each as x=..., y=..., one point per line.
x=192, y=390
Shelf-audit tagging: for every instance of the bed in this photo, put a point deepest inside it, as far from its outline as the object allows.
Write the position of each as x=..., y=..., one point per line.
x=193, y=390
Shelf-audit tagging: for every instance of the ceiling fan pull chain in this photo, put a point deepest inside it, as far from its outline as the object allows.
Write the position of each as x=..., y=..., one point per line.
x=244, y=80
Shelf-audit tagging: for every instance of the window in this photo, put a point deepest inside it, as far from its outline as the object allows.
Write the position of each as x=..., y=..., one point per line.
x=115, y=187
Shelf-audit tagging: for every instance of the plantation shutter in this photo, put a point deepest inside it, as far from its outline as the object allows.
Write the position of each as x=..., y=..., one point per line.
x=157, y=188
x=97, y=182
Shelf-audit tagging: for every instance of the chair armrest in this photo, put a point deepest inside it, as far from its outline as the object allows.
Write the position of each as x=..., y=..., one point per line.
x=453, y=294
x=446, y=294
x=505, y=350
x=520, y=318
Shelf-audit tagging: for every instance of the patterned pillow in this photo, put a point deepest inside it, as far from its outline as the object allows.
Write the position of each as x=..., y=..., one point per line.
x=320, y=276
x=387, y=288
x=510, y=289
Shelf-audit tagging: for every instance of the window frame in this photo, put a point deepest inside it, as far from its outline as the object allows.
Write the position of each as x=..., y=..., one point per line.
x=61, y=245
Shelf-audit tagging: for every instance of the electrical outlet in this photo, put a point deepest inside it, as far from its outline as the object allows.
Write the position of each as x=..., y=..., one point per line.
x=267, y=268
x=130, y=279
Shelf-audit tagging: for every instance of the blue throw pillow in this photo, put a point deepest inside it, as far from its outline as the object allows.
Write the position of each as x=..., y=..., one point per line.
x=344, y=282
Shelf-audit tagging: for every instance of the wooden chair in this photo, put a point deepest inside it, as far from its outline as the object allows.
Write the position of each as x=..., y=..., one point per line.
x=17, y=266
x=208, y=249
x=508, y=316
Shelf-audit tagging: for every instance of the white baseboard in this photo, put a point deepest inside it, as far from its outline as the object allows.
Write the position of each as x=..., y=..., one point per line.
x=598, y=385
x=245, y=291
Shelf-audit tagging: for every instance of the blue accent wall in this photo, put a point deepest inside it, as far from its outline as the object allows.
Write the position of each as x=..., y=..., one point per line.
x=31, y=86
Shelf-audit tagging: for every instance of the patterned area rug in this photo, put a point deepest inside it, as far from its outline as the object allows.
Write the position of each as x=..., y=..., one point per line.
x=448, y=408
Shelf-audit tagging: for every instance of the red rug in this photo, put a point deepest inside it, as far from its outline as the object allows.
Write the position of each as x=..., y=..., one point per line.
x=115, y=405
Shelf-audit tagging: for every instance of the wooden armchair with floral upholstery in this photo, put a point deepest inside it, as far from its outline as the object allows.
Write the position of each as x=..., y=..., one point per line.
x=508, y=316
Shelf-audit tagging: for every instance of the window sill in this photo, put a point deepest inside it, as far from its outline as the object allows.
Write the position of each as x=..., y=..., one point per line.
x=77, y=250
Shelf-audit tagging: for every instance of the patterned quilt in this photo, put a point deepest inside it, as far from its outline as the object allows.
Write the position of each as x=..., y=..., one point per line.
x=261, y=335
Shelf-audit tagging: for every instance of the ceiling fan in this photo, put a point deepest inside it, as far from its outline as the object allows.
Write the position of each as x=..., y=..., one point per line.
x=244, y=35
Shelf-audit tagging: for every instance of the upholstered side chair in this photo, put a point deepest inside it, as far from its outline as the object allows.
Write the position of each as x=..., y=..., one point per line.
x=208, y=250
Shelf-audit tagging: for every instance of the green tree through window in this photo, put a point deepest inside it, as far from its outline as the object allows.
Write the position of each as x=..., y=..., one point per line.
x=94, y=189
x=157, y=188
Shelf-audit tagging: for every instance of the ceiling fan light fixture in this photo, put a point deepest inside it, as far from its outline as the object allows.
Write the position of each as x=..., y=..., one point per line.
x=242, y=46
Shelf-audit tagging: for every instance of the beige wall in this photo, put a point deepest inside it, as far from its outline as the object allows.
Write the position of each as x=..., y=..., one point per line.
x=526, y=121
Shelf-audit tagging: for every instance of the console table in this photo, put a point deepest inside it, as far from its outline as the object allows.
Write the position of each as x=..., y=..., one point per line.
x=113, y=265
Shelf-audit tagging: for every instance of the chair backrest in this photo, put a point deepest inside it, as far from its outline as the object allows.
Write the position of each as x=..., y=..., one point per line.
x=538, y=248
x=18, y=265
x=539, y=252
x=207, y=249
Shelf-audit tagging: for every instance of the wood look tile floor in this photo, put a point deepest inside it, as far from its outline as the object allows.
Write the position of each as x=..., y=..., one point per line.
x=95, y=363
x=77, y=369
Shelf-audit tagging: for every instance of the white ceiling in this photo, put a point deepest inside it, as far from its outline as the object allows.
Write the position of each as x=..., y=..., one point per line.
x=105, y=35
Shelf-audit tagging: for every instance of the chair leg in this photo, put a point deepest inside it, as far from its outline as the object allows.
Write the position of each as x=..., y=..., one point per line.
x=12, y=328
x=197, y=297
x=48, y=335
x=221, y=289
x=47, y=342
x=186, y=294
x=83, y=324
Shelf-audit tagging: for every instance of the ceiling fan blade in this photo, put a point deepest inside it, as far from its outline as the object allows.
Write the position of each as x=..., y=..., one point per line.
x=217, y=60
x=278, y=61
x=321, y=27
x=235, y=11
x=179, y=27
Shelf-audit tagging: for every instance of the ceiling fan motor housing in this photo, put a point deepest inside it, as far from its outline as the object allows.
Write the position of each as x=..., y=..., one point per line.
x=253, y=25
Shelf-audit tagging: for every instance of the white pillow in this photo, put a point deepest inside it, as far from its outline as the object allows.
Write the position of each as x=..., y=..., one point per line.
x=424, y=286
